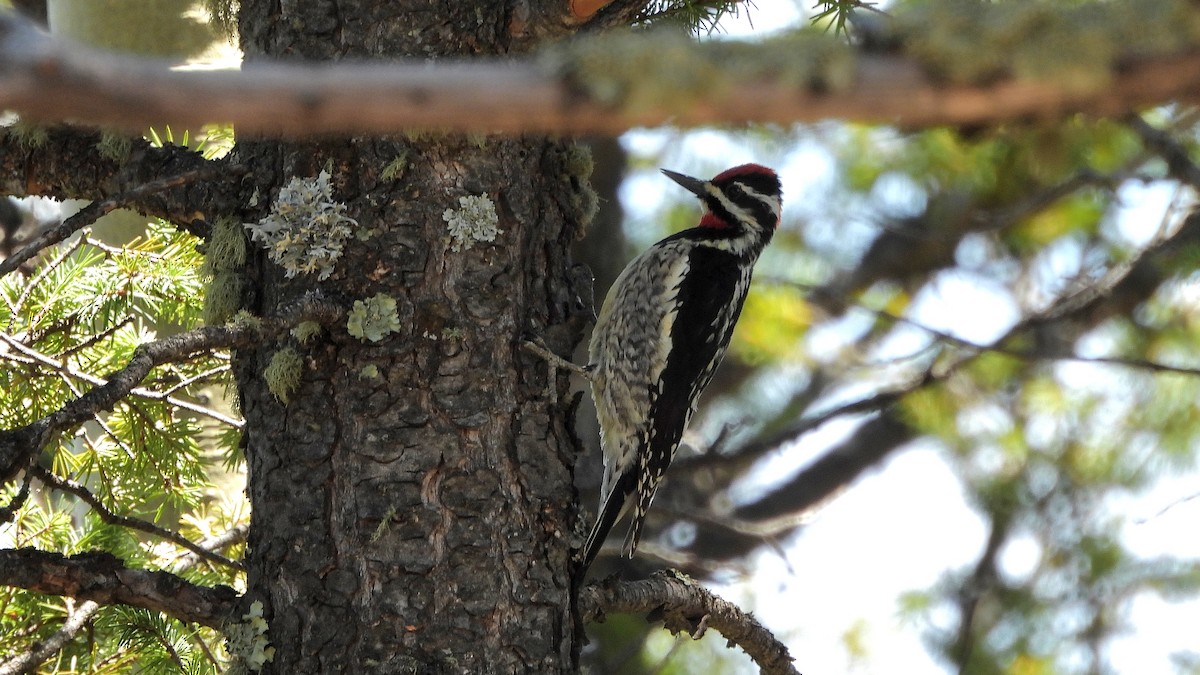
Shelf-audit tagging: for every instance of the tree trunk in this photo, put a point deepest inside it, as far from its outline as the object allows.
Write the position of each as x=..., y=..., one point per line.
x=413, y=508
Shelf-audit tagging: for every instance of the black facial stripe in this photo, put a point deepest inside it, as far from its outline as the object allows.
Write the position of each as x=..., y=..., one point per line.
x=761, y=183
x=720, y=211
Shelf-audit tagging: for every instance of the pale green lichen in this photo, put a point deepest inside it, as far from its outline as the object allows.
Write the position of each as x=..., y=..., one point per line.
x=383, y=524
x=29, y=136
x=577, y=160
x=306, y=229
x=245, y=319
x=246, y=641
x=222, y=298
x=395, y=169
x=282, y=374
x=305, y=331
x=224, y=256
x=114, y=146
x=374, y=318
x=226, y=246
x=578, y=167
x=474, y=220
x=369, y=372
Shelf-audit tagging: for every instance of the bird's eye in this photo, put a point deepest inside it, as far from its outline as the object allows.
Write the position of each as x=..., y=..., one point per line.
x=735, y=189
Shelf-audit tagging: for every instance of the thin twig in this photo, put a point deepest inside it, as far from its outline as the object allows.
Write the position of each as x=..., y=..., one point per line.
x=94, y=339
x=42, y=274
x=140, y=392
x=232, y=536
x=198, y=377
x=92, y=212
x=29, y=661
x=86, y=496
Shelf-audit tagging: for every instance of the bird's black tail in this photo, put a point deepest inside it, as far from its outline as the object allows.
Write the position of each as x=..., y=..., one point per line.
x=615, y=503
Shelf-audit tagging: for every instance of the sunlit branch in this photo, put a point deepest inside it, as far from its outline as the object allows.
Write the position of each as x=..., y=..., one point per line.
x=47, y=648
x=45, y=79
x=37, y=279
x=103, y=578
x=981, y=579
x=141, y=392
x=685, y=606
x=231, y=537
x=92, y=212
x=86, y=496
x=18, y=445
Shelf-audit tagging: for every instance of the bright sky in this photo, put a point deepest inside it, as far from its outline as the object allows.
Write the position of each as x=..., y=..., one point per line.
x=906, y=523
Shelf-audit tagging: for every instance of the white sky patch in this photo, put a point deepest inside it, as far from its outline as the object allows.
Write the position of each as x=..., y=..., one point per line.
x=1141, y=205
x=897, y=529
x=760, y=19
x=965, y=305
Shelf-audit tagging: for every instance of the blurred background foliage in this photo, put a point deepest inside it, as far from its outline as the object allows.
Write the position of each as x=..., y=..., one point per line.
x=1022, y=301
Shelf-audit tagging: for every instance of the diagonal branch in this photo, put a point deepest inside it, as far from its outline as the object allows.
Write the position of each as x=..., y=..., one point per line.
x=86, y=496
x=878, y=437
x=63, y=367
x=92, y=212
x=685, y=606
x=28, y=662
x=102, y=578
x=17, y=446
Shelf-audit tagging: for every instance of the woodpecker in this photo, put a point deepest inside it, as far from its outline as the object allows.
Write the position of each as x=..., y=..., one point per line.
x=661, y=333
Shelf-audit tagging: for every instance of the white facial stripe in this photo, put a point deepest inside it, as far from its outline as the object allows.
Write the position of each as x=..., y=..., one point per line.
x=771, y=202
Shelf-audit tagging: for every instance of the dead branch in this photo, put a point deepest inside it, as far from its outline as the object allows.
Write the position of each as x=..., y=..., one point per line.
x=104, y=579
x=71, y=163
x=92, y=212
x=685, y=606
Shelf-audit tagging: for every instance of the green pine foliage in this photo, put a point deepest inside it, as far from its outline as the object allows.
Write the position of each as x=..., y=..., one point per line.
x=158, y=456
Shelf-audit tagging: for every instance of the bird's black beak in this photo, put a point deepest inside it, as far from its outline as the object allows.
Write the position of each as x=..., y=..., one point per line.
x=692, y=185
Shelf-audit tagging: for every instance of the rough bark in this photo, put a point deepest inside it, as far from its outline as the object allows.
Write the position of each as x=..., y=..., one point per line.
x=413, y=506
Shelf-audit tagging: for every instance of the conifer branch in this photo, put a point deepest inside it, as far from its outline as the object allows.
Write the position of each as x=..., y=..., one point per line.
x=104, y=579
x=17, y=446
x=69, y=486
x=92, y=212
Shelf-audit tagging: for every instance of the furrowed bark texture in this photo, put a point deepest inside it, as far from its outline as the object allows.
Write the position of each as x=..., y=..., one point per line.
x=413, y=503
